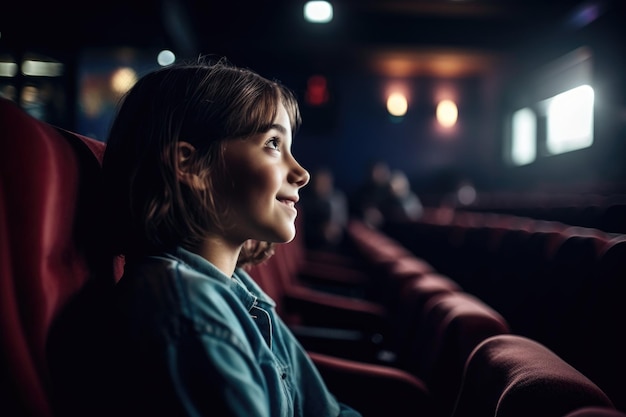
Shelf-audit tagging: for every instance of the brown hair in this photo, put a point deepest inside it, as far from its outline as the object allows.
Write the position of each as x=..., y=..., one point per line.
x=203, y=103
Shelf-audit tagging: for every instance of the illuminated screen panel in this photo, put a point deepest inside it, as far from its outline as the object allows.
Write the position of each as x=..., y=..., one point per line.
x=570, y=120
x=524, y=137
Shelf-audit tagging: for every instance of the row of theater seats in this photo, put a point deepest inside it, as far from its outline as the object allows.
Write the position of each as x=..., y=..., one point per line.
x=462, y=351
x=386, y=317
x=558, y=284
x=605, y=212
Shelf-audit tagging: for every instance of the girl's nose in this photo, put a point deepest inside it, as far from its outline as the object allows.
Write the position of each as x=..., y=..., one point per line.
x=299, y=175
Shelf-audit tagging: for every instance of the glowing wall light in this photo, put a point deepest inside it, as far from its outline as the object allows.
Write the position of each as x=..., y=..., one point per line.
x=397, y=104
x=166, y=57
x=123, y=79
x=523, y=137
x=447, y=113
x=318, y=11
x=36, y=68
x=8, y=69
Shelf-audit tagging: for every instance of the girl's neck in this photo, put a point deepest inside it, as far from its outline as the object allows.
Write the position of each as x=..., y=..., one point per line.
x=220, y=253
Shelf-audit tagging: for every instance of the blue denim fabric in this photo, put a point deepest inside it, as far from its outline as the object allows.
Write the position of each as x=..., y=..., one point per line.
x=196, y=342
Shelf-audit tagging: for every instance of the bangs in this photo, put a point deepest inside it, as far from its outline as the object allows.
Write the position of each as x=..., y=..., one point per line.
x=259, y=114
x=293, y=110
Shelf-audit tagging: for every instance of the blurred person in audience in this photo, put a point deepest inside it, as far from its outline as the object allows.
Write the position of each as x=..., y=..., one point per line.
x=402, y=203
x=466, y=194
x=462, y=195
x=8, y=91
x=367, y=199
x=325, y=211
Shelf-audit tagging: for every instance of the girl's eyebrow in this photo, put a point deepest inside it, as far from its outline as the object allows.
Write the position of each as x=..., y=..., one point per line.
x=280, y=128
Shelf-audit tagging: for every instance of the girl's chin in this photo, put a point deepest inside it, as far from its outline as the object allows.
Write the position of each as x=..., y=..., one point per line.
x=288, y=235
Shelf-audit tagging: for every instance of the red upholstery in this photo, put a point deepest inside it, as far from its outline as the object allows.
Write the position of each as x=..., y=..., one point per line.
x=560, y=301
x=375, y=390
x=48, y=248
x=376, y=247
x=392, y=265
x=302, y=305
x=414, y=297
x=315, y=315
x=513, y=376
x=596, y=412
x=453, y=324
x=335, y=272
x=602, y=354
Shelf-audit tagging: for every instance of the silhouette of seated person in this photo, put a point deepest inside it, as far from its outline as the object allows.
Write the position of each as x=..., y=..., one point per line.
x=401, y=203
x=325, y=212
x=367, y=199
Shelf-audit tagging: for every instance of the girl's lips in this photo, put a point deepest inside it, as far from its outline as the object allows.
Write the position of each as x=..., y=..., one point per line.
x=289, y=203
x=288, y=200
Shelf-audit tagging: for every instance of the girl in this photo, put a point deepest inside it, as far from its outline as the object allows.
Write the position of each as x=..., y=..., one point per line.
x=201, y=180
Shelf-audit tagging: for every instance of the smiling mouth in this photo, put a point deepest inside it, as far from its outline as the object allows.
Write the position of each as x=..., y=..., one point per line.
x=288, y=203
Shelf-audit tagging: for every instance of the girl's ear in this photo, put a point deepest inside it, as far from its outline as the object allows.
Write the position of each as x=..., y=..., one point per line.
x=185, y=155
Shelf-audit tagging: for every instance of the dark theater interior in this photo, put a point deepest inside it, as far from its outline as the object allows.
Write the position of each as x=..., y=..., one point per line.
x=490, y=277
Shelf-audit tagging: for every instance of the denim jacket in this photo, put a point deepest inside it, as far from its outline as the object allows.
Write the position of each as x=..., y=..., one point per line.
x=195, y=342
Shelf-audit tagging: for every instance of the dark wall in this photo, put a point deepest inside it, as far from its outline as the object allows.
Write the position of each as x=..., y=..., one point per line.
x=355, y=129
x=600, y=167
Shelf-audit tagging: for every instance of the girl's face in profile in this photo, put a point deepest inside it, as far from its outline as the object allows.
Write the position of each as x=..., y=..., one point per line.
x=264, y=182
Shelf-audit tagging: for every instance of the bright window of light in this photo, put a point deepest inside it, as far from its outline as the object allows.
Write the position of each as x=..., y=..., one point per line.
x=8, y=69
x=318, y=11
x=570, y=120
x=524, y=137
x=36, y=68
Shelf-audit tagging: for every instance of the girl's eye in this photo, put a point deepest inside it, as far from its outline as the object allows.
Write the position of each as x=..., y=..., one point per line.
x=273, y=143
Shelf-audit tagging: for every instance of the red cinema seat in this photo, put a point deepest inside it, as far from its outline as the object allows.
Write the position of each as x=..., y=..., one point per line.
x=49, y=252
x=596, y=412
x=514, y=376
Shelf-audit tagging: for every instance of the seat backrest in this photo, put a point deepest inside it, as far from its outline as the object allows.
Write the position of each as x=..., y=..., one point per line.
x=452, y=325
x=49, y=248
x=514, y=376
x=560, y=302
x=596, y=412
x=379, y=248
x=602, y=355
x=375, y=390
x=414, y=296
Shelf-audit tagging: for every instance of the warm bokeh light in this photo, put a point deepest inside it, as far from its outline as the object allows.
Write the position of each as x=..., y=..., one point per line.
x=397, y=104
x=122, y=79
x=439, y=62
x=318, y=11
x=447, y=113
